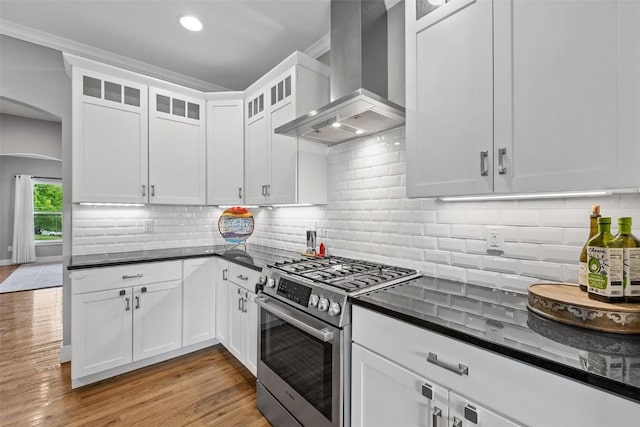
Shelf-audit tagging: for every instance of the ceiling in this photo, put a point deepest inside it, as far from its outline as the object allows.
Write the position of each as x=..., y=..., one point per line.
x=241, y=39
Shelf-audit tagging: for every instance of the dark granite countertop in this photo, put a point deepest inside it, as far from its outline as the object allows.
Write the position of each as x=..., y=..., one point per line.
x=251, y=256
x=499, y=321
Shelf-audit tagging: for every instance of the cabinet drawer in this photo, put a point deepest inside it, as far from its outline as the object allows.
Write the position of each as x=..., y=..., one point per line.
x=494, y=381
x=243, y=276
x=97, y=279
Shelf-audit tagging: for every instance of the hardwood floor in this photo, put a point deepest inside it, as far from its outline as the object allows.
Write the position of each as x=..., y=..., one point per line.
x=209, y=387
x=6, y=270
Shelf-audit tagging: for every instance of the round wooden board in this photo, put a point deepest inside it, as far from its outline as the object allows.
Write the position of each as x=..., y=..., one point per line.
x=566, y=303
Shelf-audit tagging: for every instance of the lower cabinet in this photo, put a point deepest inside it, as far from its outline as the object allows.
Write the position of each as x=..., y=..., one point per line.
x=237, y=325
x=379, y=385
x=122, y=315
x=199, y=300
x=430, y=379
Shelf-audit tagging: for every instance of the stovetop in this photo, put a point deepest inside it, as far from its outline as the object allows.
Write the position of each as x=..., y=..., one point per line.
x=348, y=275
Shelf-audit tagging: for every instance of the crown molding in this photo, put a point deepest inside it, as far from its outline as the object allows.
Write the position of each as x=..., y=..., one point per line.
x=31, y=35
x=320, y=47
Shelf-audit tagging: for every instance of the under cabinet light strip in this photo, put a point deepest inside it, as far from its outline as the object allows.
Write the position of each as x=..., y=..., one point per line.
x=235, y=206
x=110, y=204
x=527, y=196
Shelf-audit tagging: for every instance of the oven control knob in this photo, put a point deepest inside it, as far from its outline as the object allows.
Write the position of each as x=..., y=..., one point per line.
x=271, y=283
x=313, y=300
x=334, y=309
x=323, y=305
x=262, y=280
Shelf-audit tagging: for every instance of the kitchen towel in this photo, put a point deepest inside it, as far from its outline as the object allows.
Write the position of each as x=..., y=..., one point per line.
x=33, y=276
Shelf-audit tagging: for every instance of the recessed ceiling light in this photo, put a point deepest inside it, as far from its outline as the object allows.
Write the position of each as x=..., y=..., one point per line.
x=191, y=23
x=336, y=124
x=359, y=131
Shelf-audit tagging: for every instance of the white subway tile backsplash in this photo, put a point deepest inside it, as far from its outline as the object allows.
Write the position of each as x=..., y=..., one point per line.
x=549, y=235
x=520, y=217
x=522, y=251
x=450, y=216
x=451, y=245
x=542, y=270
x=465, y=231
x=561, y=254
x=504, y=265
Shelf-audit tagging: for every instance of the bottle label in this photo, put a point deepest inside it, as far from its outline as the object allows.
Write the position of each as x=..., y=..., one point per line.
x=605, y=271
x=631, y=271
x=583, y=276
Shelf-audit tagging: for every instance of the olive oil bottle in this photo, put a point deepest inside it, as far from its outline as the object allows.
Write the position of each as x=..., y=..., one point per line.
x=605, y=264
x=630, y=260
x=583, y=278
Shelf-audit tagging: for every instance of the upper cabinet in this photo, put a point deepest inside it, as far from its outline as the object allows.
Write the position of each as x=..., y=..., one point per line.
x=225, y=151
x=177, y=149
x=501, y=105
x=282, y=169
x=109, y=133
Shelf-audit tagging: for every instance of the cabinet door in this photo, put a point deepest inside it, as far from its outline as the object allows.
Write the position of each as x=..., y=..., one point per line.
x=100, y=331
x=385, y=394
x=157, y=319
x=463, y=413
x=177, y=149
x=222, y=303
x=225, y=152
x=237, y=338
x=251, y=309
x=283, y=158
x=109, y=139
x=567, y=97
x=199, y=301
x=450, y=112
x=256, y=158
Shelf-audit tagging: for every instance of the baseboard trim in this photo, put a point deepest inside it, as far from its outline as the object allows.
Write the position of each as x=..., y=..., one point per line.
x=65, y=353
x=55, y=258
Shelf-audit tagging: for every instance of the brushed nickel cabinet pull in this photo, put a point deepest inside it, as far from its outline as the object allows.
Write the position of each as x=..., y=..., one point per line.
x=457, y=422
x=459, y=369
x=437, y=413
x=484, y=171
x=131, y=276
x=127, y=308
x=243, y=277
x=153, y=190
x=225, y=275
x=239, y=192
x=137, y=301
x=144, y=190
x=502, y=169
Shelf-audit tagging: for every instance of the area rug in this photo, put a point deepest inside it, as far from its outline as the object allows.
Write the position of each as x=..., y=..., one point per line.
x=33, y=276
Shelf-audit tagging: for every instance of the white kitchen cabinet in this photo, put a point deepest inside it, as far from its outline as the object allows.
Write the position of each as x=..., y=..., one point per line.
x=501, y=106
x=102, y=331
x=157, y=319
x=225, y=151
x=177, y=149
x=109, y=134
x=450, y=113
x=282, y=169
x=199, y=300
x=384, y=394
x=241, y=331
x=121, y=315
x=256, y=149
x=567, y=99
x=492, y=384
x=222, y=302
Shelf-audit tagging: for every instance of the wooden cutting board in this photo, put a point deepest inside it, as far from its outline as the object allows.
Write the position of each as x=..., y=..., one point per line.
x=566, y=303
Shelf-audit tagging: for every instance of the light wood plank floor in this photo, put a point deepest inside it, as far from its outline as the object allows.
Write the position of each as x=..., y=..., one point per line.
x=6, y=270
x=206, y=388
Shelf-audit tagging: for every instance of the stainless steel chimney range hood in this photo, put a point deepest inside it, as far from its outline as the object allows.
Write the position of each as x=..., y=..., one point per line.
x=359, y=106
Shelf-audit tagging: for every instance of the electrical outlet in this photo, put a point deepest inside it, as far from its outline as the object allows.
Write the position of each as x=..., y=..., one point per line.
x=148, y=225
x=495, y=239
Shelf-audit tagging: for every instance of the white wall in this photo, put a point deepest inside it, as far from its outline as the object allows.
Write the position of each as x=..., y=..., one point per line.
x=25, y=136
x=35, y=75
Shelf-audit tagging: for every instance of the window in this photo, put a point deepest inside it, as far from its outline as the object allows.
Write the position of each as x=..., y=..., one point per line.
x=47, y=211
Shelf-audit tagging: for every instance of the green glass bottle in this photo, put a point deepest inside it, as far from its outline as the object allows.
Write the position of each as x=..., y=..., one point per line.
x=630, y=260
x=583, y=278
x=605, y=264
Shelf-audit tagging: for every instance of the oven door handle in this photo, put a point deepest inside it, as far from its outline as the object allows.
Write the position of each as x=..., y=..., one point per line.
x=323, y=335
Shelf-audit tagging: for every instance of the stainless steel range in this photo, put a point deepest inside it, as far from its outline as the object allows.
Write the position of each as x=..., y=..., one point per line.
x=305, y=336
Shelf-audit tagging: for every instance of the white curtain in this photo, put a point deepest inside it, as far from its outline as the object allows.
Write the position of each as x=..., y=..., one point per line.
x=24, y=247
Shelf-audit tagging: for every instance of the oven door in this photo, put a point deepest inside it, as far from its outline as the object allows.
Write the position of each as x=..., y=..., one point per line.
x=299, y=363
